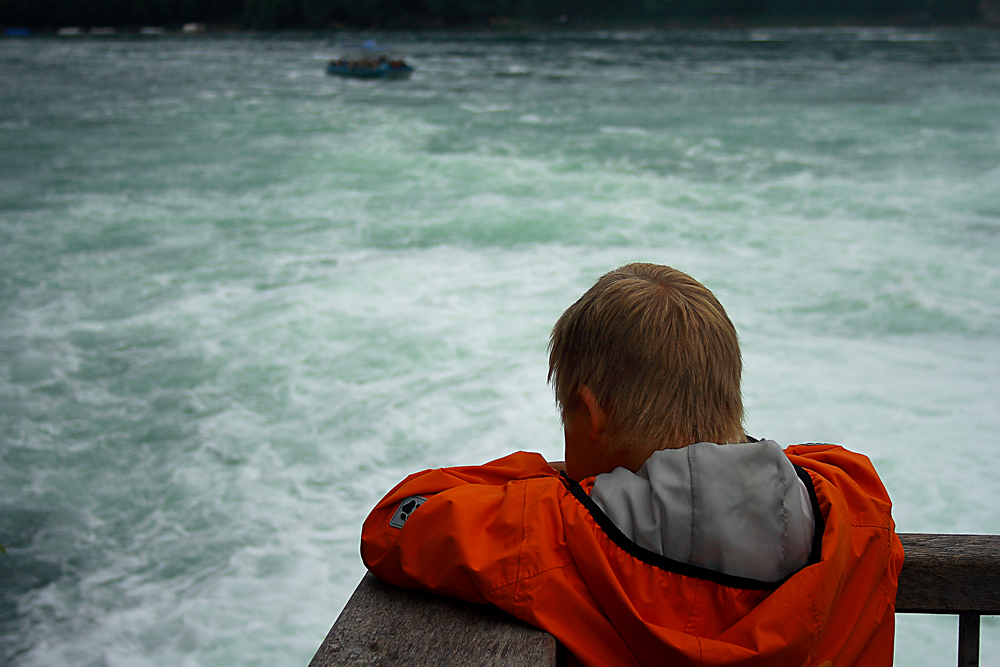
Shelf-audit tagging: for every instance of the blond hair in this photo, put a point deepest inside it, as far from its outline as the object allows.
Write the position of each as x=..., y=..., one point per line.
x=660, y=355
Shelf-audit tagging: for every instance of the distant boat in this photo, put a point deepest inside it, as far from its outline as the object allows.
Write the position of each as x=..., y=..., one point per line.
x=368, y=60
x=370, y=68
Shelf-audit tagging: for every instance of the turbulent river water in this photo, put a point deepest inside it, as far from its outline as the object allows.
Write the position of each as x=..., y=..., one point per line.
x=240, y=299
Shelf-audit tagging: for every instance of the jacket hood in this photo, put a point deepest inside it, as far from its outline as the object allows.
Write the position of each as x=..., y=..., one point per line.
x=737, y=509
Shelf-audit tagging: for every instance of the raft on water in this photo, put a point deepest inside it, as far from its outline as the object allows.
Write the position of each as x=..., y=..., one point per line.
x=379, y=67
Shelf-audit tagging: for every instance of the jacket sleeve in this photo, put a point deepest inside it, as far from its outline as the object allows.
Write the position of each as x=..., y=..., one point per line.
x=466, y=539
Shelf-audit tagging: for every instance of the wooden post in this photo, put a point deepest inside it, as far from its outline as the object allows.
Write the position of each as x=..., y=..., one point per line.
x=968, y=640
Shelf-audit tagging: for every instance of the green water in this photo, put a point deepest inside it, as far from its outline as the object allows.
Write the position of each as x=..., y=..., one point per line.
x=239, y=299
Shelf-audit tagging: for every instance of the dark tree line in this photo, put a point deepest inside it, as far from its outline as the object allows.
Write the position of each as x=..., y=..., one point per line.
x=323, y=14
x=47, y=13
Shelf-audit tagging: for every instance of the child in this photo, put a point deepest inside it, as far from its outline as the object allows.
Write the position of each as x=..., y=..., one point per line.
x=668, y=536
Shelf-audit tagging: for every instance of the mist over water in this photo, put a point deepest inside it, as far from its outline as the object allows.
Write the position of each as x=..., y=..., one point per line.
x=240, y=300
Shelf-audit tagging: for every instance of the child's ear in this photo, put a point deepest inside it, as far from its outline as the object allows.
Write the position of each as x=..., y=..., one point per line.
x=598, y=418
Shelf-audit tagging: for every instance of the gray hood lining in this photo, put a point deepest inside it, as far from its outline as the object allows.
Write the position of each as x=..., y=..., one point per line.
x=740, y=510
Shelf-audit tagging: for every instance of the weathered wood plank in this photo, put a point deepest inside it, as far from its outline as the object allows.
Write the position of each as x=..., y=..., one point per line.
x=949, y=574
x=387, y=625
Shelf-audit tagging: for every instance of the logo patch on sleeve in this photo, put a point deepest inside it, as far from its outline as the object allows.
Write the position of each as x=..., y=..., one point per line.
x=405, y=509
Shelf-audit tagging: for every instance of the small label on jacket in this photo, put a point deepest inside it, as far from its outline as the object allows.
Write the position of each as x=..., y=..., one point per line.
x=405, y=509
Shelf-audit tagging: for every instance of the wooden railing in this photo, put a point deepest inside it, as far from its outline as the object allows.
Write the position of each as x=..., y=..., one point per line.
x=386, y=625
x=952, y=574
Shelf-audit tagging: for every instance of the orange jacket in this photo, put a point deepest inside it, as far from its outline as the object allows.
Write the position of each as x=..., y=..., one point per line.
x=516, y=534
